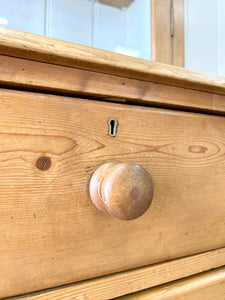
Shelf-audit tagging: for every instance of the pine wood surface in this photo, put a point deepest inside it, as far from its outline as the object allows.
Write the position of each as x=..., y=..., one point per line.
x=50, y=78
x=34, y=47
x=161, y=40
x=178, y=38
x=127, y=282
x=132, y=188
x=118, y=3
x=208, y=286
x=51, y=232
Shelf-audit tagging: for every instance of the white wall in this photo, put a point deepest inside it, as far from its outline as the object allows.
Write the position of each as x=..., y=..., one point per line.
x=205, y=36
x=139, y=24
x=126, y=30
x=23, y=15
x=87, y=22
x=221, y=37
x=109, y=27
x=70, y=20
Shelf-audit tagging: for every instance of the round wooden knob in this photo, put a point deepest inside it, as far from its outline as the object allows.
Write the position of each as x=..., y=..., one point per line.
x=124, y=190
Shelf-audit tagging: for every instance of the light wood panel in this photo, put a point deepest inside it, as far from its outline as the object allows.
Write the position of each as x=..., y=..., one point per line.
x=25, y=45
x=117, y=3
x=167, y=20
x=161, y=40
x=208, y=286
x=178, y=37
x=19, y=73
x=131, y=281
x=51, y=234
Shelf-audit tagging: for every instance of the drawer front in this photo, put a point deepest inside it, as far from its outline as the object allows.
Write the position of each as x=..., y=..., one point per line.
x=207, y=286
x=51, y=233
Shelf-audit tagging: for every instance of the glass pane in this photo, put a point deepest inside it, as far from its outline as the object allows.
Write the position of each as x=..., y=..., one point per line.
x=25, y=15
x=70, y=20
x=116, y=25
x=125, y=30
x=205, y=36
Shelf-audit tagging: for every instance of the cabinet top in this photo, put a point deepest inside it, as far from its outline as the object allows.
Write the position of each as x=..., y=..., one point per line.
x=34, y=47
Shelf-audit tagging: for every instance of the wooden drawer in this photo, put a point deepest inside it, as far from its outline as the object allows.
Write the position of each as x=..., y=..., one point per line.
x=208, y=286
x=51, y=234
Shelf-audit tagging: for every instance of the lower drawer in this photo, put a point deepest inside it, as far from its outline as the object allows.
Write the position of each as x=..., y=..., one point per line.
x=207, y=286
x=51, y=233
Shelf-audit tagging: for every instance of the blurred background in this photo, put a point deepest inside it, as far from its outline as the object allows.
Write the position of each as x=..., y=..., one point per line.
x=187, y=33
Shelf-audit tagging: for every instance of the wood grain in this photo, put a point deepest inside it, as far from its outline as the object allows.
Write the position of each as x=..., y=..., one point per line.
x=51, y=233
x=123, y=190
x=117, y=3
x=178, y=37
x=161, y=40
x=127, y=282
x=30, y=46
x=19, y=73
x=208, y=286
x=167, y=44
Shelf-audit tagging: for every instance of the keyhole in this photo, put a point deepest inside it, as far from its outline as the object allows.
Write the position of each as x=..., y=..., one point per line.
x=113, y=123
